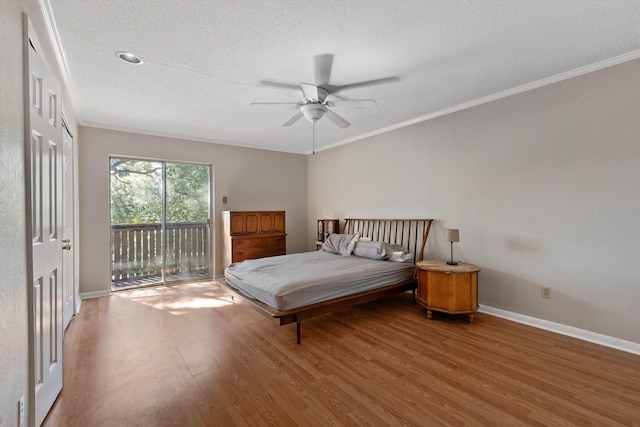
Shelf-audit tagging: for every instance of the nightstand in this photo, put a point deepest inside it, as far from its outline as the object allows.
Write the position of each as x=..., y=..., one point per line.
x=447, y=288
x=326, y=227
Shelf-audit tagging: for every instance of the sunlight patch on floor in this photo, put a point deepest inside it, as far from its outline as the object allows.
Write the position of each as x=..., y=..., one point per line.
x=180, y=299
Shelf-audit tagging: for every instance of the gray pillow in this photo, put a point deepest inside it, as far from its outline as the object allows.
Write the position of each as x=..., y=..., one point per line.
x=382, y=250
x=372, y=250
x=342, y=244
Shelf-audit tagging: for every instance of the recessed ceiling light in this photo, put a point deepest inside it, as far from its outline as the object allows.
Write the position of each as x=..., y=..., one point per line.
x=128, y=57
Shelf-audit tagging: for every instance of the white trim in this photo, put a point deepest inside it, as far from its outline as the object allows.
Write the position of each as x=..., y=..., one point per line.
x=78, y=304
x=58, y=50
x=54, y=36
x=179, y=136
x=582, y=334
x=630, y=56
x=94, y=294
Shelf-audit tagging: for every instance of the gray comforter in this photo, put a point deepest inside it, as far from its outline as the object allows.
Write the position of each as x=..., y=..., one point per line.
x=291, y=281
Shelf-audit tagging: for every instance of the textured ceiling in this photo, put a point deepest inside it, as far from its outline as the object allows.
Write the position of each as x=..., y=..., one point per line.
x=204, y=60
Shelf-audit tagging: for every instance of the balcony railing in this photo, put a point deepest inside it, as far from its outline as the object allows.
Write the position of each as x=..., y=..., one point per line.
x=136, y=252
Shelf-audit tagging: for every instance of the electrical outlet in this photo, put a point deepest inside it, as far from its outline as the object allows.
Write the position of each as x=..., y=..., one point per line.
x=546, y=292
x=21, y=412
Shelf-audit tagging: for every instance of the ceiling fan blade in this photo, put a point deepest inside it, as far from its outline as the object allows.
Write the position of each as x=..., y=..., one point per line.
x=292, y=104
x=361, y=103
x=335, y=89
x=310, y=91
x=337, y=119
x=322, y=68
x=282, y=85
x=293, y=119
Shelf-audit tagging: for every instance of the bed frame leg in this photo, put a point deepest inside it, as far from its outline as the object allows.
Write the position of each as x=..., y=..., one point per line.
x=298, y=331
x=413, y=291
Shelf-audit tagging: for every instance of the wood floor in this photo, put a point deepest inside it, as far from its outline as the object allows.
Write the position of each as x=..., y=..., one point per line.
x=190, y=356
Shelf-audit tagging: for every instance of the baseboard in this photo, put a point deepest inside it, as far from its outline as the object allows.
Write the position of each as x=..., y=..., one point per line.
x=582, y=334
x=94, y=294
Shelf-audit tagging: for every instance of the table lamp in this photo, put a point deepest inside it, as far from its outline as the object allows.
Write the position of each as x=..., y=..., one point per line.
x=452, y=235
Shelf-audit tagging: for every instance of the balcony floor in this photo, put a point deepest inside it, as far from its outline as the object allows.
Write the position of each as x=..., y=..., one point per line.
x=151, y=280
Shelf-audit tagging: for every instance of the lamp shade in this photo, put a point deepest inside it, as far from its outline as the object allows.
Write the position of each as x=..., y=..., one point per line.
x=452, y=235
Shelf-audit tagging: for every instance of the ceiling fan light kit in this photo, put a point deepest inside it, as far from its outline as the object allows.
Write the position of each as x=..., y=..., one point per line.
x=313, y=112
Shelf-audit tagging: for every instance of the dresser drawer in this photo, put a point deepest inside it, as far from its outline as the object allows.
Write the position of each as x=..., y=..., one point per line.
x=279, y=243
x=247, y=253
x=252, y=247
x=254, y=243
x=272, y=252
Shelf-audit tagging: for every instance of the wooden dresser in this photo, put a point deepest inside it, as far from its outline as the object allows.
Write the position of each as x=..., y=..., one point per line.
x=253, y=234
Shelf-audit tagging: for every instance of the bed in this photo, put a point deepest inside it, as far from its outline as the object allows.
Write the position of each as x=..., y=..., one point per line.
x=291, y=288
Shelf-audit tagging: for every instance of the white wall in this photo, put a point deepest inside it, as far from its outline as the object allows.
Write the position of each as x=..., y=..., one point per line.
x=544, y=187
x=14, y=344
x=13, y=281
x=251, y=179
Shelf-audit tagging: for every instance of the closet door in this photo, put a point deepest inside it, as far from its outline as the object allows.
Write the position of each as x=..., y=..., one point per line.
x=44, y=225
x=69, y=292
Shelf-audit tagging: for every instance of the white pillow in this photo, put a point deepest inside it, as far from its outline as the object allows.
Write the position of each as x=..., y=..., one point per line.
x=401, y=256
x=351, y=245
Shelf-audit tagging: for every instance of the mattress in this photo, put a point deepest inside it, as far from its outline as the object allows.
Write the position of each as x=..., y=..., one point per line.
x=291, y=281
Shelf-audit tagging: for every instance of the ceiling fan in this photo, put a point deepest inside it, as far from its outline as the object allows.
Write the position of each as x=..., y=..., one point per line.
x=314, y=103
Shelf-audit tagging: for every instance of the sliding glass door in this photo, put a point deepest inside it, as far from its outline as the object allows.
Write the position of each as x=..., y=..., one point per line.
x=160, y=228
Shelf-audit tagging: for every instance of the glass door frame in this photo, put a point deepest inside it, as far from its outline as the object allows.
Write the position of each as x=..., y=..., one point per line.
x=209, y=232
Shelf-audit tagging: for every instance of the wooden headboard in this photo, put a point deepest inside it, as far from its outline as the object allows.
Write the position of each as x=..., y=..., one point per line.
x=410, y=233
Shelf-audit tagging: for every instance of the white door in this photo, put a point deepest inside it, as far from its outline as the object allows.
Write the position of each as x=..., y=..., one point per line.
x=44, y=224
x=68, y=288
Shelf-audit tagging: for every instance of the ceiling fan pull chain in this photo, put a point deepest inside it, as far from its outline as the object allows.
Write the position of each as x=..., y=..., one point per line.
x=313, y=137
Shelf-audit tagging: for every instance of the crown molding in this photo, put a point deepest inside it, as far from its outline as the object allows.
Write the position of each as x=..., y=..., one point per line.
x=54, y=36
x=630, y=56
x=169, y=135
